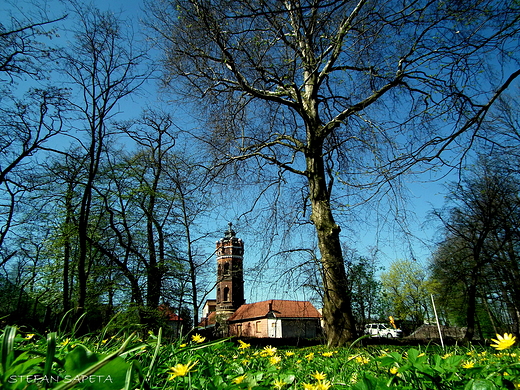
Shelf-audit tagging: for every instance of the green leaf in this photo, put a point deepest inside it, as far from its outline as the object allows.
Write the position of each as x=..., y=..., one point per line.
x=480, y=384
x=110, y=376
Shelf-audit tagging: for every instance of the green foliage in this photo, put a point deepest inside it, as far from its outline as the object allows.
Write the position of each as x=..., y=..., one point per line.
x=145, y=361
x=407, y=288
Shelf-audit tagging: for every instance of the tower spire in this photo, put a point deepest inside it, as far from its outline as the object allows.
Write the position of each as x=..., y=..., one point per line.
x=230, y=232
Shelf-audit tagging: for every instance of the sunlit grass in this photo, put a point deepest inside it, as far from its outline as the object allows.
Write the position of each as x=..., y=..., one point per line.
x=147, y=361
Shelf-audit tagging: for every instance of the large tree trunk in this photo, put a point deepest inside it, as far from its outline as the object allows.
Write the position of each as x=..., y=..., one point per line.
x=337, y=312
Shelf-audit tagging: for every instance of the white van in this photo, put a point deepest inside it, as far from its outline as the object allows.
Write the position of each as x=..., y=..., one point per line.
x=381, y=330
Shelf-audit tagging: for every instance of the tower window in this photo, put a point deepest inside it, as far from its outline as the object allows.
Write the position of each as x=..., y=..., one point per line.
x=226, y=268
x=226, y=294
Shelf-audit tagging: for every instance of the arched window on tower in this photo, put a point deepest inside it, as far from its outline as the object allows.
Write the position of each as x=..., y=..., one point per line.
x=226, y=294
x=226, y=268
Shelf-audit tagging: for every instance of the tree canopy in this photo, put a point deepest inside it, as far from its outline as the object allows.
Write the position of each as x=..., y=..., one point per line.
x=346, y=95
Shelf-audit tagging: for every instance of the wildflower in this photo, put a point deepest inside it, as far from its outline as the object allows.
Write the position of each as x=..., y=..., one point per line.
x=275, y=359
x=104, y=341
x=243, y=345
x=362, y=360
x=354, y=378
x=421, y=354
x=326, y=354
x=308, y=386
x=325, y=385
x=64, y=342
x=181, y=369
x=183, y=345
x=289, y=353
x=309, y=356
x=469, y=364
x=268, y=351
x=29, y=336
x=319, y=376
x=197, y=338
x=239, y=379
x=245, y=362
x=503, y=342
x=447, y=355
x=394, y=370
x=278, y=384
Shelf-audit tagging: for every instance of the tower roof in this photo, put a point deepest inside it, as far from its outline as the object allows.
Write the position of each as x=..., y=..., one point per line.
x=230, y=233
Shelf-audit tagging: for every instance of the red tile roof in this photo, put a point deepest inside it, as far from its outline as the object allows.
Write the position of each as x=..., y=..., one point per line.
x=211, y=319
x=280, y=309
x=168, y=313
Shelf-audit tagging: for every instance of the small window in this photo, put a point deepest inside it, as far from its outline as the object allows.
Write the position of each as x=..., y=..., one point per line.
x=226, y=294
x=258, y=326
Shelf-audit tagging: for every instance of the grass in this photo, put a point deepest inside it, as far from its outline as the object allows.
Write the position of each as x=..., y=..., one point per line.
x=147, y=361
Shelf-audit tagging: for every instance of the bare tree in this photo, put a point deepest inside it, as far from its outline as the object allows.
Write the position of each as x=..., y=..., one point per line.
x=22, y=51
x=27, y=121
x=345, y=95
x=103, y=67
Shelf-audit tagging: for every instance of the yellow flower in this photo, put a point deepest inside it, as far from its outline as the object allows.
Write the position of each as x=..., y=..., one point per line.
x=362, y=360
x=319, y=376
x=243, y=345
x=275, y=359
x=326, y=354
x=104, y=341
x=289, y=353
x=309, y=356
x=268, y=351
x=64, y=342
x=181, y=369
x=197, y=338
x=469, y=364
x=183, y=345
x=308, y=386
x=29, y=336
x=325, y=385
x=447, y=355
x=503, y=342
x=239, y=379
x=394, y=370
x=278, y=384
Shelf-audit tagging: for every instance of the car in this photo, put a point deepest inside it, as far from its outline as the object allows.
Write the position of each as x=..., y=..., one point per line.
x=382, y=330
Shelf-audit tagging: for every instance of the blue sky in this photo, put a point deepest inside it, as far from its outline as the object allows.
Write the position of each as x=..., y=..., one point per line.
x=391, y=244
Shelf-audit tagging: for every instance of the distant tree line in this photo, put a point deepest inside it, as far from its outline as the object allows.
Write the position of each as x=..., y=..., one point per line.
x=98, y=213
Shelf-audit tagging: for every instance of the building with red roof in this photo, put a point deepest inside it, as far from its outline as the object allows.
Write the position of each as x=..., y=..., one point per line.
x=229, y=315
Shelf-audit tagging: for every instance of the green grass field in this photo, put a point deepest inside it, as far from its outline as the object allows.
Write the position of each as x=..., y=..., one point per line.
x=149, y=361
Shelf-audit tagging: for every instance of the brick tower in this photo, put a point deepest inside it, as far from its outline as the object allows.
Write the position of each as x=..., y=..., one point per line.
x=230, y=280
